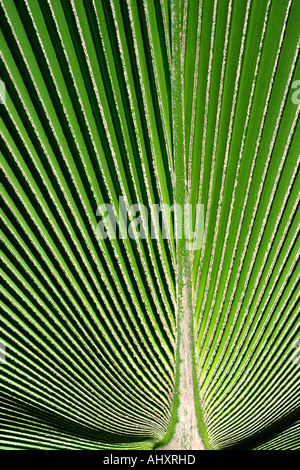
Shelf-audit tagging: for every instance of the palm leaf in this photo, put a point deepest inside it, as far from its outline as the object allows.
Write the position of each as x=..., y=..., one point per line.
x=139, y=342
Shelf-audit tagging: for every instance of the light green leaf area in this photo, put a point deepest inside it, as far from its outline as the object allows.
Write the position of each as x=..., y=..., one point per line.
x=142, y=343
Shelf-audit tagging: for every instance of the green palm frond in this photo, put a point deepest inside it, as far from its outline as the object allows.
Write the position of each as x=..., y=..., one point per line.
x=137, y=342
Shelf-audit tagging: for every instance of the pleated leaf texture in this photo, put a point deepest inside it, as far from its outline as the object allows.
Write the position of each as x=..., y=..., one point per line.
x=138, y=342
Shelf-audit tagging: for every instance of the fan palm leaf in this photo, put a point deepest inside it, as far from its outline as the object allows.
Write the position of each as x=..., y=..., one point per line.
x=133, y=341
